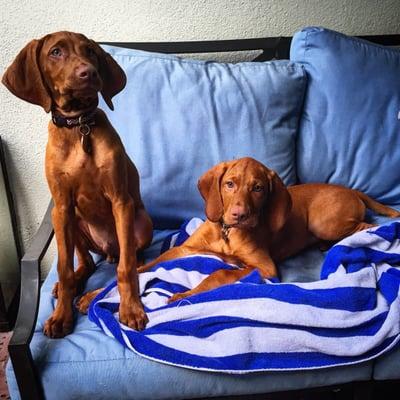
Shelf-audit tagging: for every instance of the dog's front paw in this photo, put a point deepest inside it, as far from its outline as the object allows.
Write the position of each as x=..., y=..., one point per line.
x=58, y=326
x=133, y=316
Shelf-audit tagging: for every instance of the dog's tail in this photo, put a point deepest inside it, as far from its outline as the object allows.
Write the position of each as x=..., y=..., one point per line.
x=376, y=206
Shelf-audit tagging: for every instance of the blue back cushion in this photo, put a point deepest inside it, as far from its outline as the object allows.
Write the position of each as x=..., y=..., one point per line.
x=177, y=118
x=350, y=128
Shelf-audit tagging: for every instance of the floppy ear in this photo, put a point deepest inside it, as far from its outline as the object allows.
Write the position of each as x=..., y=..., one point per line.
x=279, y=203
x=112, y=75
x=209, y=187
x=24, y=79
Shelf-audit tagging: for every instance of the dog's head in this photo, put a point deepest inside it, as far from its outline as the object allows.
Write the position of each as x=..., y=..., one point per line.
x=244, y=193
x=64, y=71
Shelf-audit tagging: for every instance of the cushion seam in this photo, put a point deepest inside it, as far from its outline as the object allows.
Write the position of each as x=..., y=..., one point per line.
x=306, y=46
x=300, y=112
x=41, y=362
x=356, y=40
x=247, y=64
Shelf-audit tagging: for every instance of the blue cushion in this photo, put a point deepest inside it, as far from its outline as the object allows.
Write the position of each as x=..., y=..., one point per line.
x=177, y=118
x=87, y=364
x=350, y=127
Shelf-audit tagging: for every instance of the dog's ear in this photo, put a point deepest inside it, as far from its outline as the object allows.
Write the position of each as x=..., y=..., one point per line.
x=278, y=204
x=24, y=79
x=209, y=187
x=112, y=75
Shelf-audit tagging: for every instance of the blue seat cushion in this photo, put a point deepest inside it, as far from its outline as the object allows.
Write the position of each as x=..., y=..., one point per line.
x=87, y=364
x=177, y=118
x=349, y=130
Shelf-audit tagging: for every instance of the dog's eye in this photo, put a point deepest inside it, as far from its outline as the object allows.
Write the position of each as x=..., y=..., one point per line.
x=229, y=184
x=258, y=188
x=56, y=52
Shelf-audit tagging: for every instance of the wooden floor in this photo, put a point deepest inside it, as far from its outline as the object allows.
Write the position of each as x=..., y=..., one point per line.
x=4, y=339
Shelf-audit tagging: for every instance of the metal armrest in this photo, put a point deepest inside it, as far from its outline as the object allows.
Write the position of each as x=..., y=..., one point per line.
x=20, y=354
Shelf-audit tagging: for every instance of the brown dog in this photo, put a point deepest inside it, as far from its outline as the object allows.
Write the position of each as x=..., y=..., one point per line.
x=94, y=184
x=255, y=221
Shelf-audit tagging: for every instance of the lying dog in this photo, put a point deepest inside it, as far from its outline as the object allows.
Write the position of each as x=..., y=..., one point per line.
x=255, y=221
x=94, y=184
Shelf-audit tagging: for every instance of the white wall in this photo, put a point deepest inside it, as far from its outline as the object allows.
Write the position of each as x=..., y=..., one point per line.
x=23, y=126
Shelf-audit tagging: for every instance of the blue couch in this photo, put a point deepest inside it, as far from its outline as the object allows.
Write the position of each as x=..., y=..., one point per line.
x=330, y=114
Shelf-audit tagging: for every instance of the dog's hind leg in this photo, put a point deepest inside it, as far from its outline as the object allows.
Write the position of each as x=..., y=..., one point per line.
x=83, y=303
x=86, y=265
x=362, y=226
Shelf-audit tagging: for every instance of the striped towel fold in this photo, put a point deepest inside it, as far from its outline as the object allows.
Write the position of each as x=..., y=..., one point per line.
x=349, y=316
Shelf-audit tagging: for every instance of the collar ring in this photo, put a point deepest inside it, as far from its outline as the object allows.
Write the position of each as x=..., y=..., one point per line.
x=84, y=129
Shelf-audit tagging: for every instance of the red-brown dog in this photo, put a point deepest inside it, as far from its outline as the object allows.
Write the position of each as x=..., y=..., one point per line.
x=255, y=221
x=94, y=184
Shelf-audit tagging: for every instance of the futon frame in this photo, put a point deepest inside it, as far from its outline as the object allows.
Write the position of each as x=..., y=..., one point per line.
x=26, y=374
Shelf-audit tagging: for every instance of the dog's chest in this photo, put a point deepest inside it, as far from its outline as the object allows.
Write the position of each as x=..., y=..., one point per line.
x=81, y=174
x=66, y=158
x=229, y=244
x=76, y=168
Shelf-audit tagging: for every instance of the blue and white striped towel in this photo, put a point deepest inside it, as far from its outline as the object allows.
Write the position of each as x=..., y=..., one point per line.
x=351, y=315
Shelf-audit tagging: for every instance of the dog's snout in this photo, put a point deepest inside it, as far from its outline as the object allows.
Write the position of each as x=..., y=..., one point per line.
x=239, y=213
x=86, y=72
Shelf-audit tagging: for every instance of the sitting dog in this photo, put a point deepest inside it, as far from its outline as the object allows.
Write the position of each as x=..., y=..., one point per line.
x=253, y=220
x=94, y=184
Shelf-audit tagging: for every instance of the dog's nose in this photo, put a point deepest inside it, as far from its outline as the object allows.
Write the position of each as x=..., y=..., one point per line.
x=239, y=213
x=86, y=72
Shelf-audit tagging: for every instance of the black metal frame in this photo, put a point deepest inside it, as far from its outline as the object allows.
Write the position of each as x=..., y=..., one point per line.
x=27, y=377
x=8, y=315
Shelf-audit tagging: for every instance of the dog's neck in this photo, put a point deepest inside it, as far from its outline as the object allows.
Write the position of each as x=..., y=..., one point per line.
x=225, y=228
x=84, y=121
x=72, y=106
